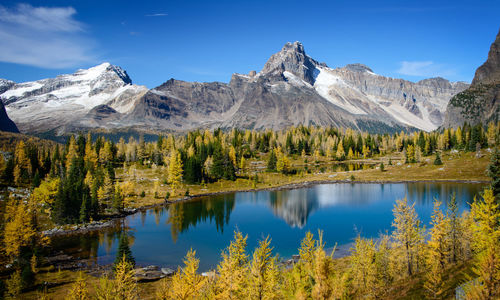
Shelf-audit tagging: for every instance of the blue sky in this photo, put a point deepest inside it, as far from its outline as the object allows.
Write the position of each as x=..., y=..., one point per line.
x=208, y=41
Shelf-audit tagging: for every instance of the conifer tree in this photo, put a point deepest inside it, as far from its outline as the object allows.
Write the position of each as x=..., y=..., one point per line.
x=438, y=161
x=186, y=283
x=124, y=252
x=340, y=154
x=19, y=230
x=271, y=162
x=79, y=290
x=283, y=164
x=494, y=171
x=363, y=267
x=125, y=285
x=437, y=254
x=455, y=232
x=486, y=213
x=410, y=154
x=262, y=278
x=233, y=269
x=175, y=169
x=407, y=232
x=323, y=287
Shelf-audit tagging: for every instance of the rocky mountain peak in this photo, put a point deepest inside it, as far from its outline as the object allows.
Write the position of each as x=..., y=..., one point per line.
x=103, y=71
x=358, y=68
x=489, y=72
x=295, y=46
x=292, y=58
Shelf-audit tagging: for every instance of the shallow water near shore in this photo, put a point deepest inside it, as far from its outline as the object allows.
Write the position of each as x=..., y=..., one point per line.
x=162, y=236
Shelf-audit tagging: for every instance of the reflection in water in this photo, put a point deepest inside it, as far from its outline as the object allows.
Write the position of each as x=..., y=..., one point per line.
x=182, y=215
x=293, y=206
x=164, y=235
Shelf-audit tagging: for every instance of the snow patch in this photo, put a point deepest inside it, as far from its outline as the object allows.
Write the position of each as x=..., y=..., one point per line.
x=325, y=81
x=19, y=89
x=90, y=74
x=294, y=80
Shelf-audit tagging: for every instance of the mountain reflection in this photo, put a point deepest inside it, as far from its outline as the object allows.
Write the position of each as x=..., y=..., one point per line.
x=293, y=207
x=183, y=215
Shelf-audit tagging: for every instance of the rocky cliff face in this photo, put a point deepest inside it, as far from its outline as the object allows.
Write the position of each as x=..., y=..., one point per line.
x=360, y=91
x=6, y=123
x=291, y=89
x=480, y=102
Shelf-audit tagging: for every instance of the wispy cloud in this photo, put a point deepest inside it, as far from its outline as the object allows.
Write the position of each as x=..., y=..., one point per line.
x=47, y=37
x=157, y=15
x=425, y=69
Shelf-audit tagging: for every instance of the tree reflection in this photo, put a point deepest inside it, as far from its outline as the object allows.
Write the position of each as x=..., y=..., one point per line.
x=183, y=215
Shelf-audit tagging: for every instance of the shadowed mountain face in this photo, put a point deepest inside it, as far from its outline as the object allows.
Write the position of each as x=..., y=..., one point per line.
x=291, y=89
x=6, y=123
x=480, y=102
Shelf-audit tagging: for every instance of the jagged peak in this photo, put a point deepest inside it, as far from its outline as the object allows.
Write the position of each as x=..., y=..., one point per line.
x=291, y=58
x=295, y=46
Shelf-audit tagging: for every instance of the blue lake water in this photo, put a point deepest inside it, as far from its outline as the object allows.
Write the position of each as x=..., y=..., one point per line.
x=162, y=236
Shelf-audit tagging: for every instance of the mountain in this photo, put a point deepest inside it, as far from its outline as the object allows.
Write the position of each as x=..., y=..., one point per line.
x=6, y=123
x=5, y=85
x=480, y=102
x=62, y=103
x=291, y=89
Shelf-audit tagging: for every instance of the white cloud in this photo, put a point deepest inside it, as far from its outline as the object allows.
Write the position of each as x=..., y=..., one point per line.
x=425, y=69
x=157, y=15
x=43, y=37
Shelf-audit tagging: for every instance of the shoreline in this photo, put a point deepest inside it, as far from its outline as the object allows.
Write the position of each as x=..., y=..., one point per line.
x=69, y=262
x=113, y=220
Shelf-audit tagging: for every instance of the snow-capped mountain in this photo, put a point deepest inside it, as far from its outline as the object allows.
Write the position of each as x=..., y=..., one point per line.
x=291, y=89
x=57, y=103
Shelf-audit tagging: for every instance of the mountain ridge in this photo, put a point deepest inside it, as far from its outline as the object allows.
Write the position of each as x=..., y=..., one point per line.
x=291, y=89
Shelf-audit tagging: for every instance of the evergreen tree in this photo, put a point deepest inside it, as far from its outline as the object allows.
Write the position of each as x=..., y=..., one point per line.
x=36, y=180
x=494, y=172
x=85, y=209
x=124, y=252
x=118, y=204
x=438, y=161
x=271, y=162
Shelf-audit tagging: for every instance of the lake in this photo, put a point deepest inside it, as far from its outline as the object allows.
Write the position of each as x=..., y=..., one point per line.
x=162, y=236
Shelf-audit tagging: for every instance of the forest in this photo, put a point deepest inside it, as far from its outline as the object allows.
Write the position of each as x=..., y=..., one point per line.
x=77, y=182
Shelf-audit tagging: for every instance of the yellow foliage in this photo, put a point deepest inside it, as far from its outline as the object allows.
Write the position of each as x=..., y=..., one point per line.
x=19, y=229
x=46, y=192
x=79, y=290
